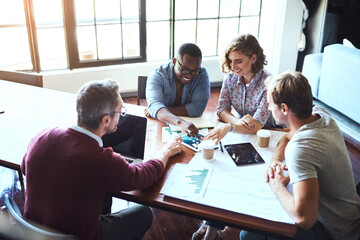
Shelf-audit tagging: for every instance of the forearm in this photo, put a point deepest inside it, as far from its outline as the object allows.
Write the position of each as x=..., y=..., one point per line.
x=178, y=111
x=227, y=116
x=167, y=116
x=279, y=152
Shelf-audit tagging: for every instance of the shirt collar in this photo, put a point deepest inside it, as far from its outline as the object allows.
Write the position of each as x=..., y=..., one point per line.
x=87, y=132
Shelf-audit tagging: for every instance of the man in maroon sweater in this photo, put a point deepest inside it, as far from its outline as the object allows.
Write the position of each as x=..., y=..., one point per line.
x=68, y=172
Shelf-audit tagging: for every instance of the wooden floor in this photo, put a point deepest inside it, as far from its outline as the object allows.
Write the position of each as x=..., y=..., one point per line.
x=171, y=226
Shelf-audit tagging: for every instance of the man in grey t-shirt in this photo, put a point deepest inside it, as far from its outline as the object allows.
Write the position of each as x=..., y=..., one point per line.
x=324, y=202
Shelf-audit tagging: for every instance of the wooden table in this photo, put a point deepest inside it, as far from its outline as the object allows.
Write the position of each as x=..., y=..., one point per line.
x=30, y=109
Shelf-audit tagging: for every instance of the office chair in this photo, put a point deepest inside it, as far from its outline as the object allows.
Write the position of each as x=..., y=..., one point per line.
x=141, y=92
x=25, y=230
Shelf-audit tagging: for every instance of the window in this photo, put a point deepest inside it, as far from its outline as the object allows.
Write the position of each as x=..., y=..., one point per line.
x=14, y=43
x=43, y=35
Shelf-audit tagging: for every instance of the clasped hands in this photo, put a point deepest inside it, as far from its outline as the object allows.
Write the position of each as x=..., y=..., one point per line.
x=275, y=177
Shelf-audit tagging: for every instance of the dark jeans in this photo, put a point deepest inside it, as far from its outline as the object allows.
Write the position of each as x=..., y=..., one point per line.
x=130, y=223
x=317, y=232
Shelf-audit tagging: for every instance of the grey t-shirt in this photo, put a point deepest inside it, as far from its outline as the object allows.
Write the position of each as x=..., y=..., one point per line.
x=317, y=150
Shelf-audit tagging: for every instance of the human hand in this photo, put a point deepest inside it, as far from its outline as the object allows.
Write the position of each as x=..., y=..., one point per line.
x=146, y=112
x=248, y=122
x=189, y=129
x=172, y=147
x=218, y=133
x=279, y=180
x=270, y=173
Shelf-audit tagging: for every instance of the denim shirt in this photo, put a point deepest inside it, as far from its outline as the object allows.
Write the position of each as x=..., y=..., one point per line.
x=161, y=91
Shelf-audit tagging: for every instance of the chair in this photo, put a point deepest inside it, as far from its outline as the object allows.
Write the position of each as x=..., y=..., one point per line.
x=22, y=229
x=141, y=92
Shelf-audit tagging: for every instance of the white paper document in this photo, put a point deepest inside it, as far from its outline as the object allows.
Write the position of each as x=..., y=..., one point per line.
x=187, y=181
x=239, y=189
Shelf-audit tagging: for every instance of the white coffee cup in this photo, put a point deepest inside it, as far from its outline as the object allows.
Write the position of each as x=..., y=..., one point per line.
x=208, y=147
x=263, y=138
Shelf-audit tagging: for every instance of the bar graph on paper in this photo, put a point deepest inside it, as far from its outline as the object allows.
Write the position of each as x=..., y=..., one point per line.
x=187, y=182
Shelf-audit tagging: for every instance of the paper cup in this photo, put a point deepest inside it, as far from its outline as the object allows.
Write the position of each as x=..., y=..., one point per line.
x=263, y=138
x=208, y=147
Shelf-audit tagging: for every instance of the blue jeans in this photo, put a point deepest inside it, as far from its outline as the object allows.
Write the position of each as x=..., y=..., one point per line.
x=317, y=232
x=130, y=223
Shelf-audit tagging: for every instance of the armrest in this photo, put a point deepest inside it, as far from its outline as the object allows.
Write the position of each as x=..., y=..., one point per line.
x=311, y=70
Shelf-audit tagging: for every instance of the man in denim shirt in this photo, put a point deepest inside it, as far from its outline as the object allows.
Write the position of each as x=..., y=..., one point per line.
x=179, y=88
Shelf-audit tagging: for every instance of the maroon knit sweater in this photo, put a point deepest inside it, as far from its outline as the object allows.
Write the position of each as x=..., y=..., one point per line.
x=68, y=175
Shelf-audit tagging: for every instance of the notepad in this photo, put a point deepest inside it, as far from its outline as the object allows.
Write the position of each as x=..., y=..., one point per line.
x=199, y=122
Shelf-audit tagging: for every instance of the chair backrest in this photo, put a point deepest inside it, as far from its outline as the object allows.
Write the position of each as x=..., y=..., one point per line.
x=141, y=92
x=25, y=230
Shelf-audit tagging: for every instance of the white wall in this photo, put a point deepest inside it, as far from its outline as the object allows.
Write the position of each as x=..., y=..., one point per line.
x=280, y=30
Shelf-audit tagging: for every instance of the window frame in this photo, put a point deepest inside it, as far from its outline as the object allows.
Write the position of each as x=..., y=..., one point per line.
x=72, y=47
x=70, y=38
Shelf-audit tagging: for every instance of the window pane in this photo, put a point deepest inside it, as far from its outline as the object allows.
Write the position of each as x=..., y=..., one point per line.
x=158, y=40
x=228, y=29
x=48, y=13
x=230, y=8
x=250, y=7
x=131, y=40
x=130, y=11
x=185, y=9
x=207, y=37
x=249, y=25
x=109, y=41
x=86, y=43
x=52, y=48
x=14, y=43
x=184, y=32
x=84, y=11
x=12, y=12
x=107, y=11
x=157, y=10
x=14, y=49
x=208, y=8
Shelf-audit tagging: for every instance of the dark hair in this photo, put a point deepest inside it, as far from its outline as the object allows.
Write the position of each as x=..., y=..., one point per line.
x=293, y=89
x=248, y=45
x=96, y=99
x=189, y=48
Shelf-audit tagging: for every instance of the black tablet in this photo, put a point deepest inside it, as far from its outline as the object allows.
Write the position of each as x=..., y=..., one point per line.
x=243, y=153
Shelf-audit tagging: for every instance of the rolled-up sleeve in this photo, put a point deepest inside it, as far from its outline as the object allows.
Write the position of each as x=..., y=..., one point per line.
x=199, y=95
x=155, y=92
x=262, y=113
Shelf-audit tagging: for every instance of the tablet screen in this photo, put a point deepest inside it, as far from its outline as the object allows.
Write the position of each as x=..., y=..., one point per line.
x=243, y=153
x=190, y=142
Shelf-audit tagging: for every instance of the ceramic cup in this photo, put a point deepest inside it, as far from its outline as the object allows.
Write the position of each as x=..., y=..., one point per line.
x=263, y=138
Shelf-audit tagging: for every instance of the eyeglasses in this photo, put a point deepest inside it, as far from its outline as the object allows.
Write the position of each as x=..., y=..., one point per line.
x=193, y=73
x=122, y=112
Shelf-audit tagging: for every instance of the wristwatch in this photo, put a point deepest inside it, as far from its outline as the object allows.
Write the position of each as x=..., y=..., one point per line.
x=232, y=127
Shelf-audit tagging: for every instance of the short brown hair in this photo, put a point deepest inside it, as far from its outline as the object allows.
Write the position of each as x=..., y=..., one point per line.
x=248, y=45
x=96, y=99
x=293, y=89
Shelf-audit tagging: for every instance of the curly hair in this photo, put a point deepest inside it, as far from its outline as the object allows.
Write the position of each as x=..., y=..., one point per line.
x=248, y=45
